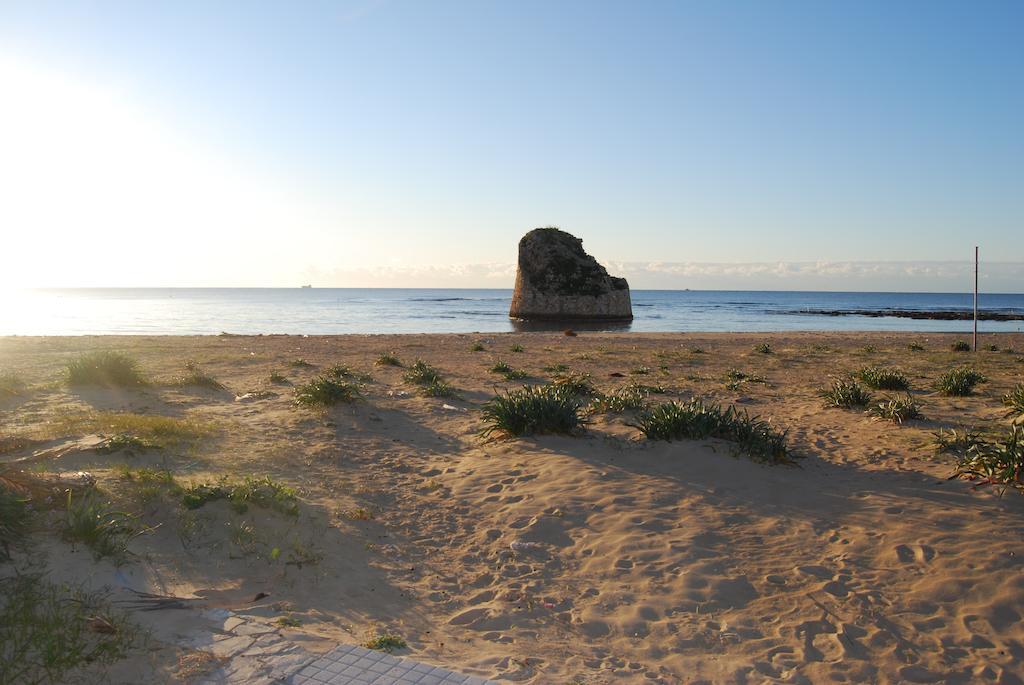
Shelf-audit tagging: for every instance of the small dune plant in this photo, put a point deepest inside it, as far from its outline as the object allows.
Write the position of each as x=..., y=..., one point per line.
x=262, y=492
x=49, y=629
x=734, y=378
x=104, y=531
x=532, y=410
x=388, y=359
x=195, y=376
x=326, y=391
x=516, y=347
x=915, y=347
x=477, y=346
x=897, y=409
x=11, y=384
x=640, y=370
x=507, y=371
x=341, y=371
x=300, y=363
x=106, y=368
x=846, y=394
x=575, y=383
x=999, y=463
x=632, y=397
x=555, y=368
x=763, y=348
x=15, y=516
x=1015, y=400
x=955, y=441
x=991, y=348
x=961, y=346
x=429, y=380
x=385, y=642
x=128, y=443
x=278, y=378
x=883, y=379
x=959, y=382
x=698, y=420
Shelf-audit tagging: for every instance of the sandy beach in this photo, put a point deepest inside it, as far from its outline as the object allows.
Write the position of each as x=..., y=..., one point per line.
x=596, y=558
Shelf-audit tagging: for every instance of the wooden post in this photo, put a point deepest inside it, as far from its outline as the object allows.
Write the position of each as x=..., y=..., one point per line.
x=975, y=298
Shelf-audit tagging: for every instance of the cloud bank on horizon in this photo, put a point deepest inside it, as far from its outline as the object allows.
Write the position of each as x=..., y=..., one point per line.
x=894, y=276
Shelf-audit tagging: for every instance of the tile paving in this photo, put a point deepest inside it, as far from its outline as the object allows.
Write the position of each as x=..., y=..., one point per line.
x=354, y=665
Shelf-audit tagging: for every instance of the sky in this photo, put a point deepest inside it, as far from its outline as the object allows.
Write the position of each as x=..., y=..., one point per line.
x=778, y=145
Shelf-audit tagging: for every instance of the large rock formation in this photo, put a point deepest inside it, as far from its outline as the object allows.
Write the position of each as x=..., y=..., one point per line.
x=556, y=279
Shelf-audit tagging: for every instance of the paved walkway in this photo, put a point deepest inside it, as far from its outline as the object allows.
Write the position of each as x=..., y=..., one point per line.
x=255, y=652
x=353, y=665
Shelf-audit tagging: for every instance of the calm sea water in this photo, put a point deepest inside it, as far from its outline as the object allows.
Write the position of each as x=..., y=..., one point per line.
x=174, y=311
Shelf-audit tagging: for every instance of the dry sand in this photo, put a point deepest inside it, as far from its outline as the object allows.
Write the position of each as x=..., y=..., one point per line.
x=654, y=563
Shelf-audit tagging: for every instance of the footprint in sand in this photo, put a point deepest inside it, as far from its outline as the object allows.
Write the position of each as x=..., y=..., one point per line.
x=910, y=554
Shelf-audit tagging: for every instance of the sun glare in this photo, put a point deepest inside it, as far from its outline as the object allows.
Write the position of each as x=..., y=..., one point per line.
x=98, y=191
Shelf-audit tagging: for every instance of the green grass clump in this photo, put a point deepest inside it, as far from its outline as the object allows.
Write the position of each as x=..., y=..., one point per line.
x=195, y=376
x=959, y=382
x=15, y=516
x=106, y=368
x=477, y=346
x=734, y=378
x=325, y=392
x=697, y=420
x=991, y=348
x=11, y=384
x=429, y=380
x=631, y=397
x=104, y=531
x=575, y=383
x=262, y=492
x=278, y=378
x=555, y=368
x=388, y=359
x=386, y=642
x=846, y=394
x=954, y=441
x=915, y=347
x=128, y=443
x=46, y=630
x=422, y=373
x=139, y=431
x=883, y=379
x=507, y=371
x=340, y=371
x=640, y=371
x=897, y=409
x=1015, y=400
x=438, y=388
x=533, y=410
x=516, y=347
x=999, y=462
x=763, y=348
x=300, y=363
x=960, y=346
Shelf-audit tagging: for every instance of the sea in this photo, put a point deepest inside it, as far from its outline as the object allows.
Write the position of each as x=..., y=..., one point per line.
x=317, y=311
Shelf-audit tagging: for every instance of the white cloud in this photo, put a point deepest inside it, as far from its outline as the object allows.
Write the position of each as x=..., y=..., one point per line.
x=823, y=275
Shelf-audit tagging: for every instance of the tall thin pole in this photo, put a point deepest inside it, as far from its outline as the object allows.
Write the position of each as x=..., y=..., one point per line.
x=975, y=298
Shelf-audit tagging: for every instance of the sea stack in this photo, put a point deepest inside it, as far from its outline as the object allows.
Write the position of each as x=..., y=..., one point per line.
x=557, y=280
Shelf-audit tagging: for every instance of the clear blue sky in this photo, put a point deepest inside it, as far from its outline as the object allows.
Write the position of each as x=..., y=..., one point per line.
x=386, y=137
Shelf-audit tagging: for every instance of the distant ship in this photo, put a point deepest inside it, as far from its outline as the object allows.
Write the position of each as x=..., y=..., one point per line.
x=307, y=286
